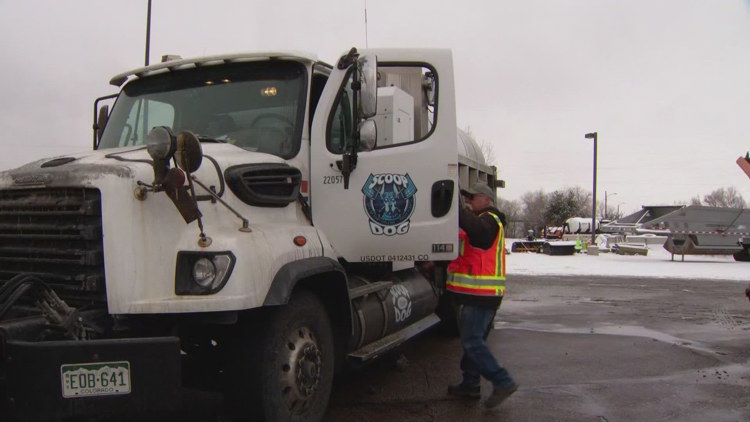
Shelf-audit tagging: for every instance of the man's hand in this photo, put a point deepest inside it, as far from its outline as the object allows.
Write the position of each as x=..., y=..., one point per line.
x=464, y=203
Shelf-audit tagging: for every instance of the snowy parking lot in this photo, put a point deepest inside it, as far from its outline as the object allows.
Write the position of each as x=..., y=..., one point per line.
x=657, y=263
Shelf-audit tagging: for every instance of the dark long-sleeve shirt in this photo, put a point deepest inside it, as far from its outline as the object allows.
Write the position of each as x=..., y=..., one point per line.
x=481, y=229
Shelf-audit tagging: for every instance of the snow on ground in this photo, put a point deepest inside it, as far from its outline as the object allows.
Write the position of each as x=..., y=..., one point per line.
x=657, y=263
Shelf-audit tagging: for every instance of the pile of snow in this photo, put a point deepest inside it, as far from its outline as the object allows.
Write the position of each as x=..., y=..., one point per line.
x=657, y=263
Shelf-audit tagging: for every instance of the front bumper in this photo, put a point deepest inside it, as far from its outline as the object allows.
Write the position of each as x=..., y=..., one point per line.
x=33, y=377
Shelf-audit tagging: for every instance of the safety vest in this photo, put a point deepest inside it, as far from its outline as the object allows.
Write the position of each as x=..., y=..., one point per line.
x=477, y=271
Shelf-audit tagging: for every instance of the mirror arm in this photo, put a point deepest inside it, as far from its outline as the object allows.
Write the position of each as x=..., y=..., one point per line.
x=349, y=158
x=100, y=120
x=348, y=59
x=245, y=222
x=348, y=164
x=161, y=168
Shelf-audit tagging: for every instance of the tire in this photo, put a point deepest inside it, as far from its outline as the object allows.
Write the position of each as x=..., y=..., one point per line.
x=742, y=256
x=287, y=366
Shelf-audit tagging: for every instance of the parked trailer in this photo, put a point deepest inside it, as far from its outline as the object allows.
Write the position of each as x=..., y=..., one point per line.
x=702, y=230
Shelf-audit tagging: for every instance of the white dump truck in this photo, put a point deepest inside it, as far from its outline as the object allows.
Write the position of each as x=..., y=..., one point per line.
x=245, y=223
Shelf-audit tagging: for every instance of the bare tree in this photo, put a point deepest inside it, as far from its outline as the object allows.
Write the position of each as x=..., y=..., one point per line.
x=534, y=204
x=512, y=211
x=487, y=148
x=724, y=197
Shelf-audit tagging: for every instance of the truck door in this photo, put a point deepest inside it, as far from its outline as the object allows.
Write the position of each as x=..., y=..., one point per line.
x=398, y=202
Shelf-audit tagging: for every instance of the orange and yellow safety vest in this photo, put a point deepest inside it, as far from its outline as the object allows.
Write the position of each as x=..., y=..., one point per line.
x=477, y=271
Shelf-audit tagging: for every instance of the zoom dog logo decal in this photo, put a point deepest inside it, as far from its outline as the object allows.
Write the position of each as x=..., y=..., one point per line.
x=401, y=302
x=389, y=203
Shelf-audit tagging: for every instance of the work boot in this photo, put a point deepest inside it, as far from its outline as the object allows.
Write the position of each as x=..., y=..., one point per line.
x=465, y=391
x=499, y=395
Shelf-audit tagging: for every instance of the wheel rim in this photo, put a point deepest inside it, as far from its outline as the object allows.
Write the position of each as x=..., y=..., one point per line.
x=301, y=369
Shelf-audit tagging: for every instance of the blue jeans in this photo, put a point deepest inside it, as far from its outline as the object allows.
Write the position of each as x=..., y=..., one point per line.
x=474, y=325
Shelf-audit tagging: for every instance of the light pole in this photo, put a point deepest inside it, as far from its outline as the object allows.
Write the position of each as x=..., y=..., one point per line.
x=593, y=135
x=606, y=210
x=148, y=31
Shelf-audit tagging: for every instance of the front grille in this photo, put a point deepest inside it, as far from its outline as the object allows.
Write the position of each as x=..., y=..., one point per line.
x=56, y=235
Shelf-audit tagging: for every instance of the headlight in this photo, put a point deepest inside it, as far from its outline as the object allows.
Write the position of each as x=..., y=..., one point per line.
x=202, y=273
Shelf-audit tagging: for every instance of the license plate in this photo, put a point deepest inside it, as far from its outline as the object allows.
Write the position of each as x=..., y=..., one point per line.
x=95, y=379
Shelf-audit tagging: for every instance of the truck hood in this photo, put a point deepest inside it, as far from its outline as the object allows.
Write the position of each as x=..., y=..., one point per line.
x=128, y=163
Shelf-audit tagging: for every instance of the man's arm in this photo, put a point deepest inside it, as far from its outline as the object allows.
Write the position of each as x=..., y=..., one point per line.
x=481, y=230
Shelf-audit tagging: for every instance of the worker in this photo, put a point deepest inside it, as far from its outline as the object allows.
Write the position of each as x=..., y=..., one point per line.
x=476, y=281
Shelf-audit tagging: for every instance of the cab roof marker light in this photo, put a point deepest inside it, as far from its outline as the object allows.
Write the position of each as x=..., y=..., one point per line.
x=170, y=57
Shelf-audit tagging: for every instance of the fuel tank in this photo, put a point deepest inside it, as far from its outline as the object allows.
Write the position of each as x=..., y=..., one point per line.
x=403, y=299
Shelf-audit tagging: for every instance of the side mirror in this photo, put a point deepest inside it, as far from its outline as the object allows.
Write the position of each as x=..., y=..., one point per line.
x=367, y=66
x=101, y=121
x=429, y=85
x=101, y=115
x=368, y=135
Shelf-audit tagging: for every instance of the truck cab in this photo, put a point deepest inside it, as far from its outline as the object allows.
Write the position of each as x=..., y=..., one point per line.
x=247, y=223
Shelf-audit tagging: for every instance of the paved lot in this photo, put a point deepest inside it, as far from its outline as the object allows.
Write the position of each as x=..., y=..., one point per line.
x=583, y=349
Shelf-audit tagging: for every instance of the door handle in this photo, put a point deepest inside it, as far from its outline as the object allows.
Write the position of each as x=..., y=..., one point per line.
x=442, y=197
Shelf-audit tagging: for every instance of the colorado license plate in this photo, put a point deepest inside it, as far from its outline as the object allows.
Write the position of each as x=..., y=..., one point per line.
x=95, y=379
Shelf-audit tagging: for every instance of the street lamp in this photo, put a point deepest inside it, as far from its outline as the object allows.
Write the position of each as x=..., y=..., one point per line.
x=593, y=135
x=606, y=210
x=618, y=209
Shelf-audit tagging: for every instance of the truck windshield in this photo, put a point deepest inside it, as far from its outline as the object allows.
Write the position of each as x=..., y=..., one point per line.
x=258, y=106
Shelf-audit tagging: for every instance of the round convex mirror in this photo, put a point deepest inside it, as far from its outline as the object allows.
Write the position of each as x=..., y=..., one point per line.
x=160, y=143
x=189, y=154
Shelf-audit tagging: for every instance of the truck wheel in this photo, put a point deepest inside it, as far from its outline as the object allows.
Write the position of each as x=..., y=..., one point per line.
x=292, y=363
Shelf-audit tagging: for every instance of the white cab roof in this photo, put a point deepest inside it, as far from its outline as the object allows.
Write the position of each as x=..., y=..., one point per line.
x=180, y=64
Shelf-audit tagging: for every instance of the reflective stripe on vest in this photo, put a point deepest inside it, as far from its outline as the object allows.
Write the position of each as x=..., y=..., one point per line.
x=488, y=281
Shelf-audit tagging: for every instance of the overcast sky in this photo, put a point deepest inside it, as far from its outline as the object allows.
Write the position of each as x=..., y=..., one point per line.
x=664, y=83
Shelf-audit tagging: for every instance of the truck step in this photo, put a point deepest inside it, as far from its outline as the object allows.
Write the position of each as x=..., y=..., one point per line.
x=369, y=288
x=378, y=347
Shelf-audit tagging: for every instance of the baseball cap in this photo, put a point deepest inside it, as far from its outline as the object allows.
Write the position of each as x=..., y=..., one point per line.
x=479, y=188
